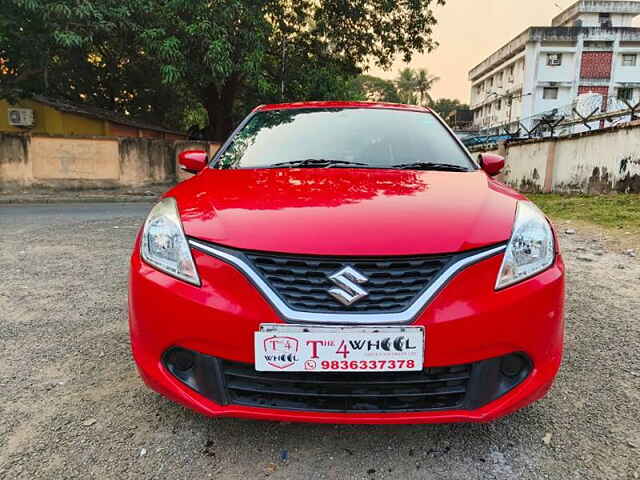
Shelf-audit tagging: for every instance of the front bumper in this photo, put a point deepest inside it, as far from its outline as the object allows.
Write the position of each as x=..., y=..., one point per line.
x=468, y=322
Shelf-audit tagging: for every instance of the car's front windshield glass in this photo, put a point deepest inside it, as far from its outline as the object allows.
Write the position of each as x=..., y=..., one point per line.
x=359, y=137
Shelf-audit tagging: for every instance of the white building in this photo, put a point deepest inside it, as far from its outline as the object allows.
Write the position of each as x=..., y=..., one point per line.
x=590, y=47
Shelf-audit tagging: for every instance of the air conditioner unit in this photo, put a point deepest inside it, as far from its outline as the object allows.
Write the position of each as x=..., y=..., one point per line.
x=555, y=61
x=21, y=117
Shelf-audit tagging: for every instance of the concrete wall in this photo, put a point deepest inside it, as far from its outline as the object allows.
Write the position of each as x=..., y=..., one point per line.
x=90, y=162
x=526, y=166
x=15, y=166
x=594, y=162
x=599, y=163
x=603, y=161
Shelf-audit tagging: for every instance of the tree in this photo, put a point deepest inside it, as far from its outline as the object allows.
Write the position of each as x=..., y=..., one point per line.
x=87, y=53
x=376, y=89
x=406, y=83
x=230, y=49
x=424, y=83
x=414, y=86
x=226, y=55
x=444, y=106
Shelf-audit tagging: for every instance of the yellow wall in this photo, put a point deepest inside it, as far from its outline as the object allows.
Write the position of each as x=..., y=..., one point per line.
x=77, y=159
x=50, y=121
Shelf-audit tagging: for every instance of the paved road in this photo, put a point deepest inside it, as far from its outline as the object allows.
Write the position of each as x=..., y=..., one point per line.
x=72, y=405
x=34, y=215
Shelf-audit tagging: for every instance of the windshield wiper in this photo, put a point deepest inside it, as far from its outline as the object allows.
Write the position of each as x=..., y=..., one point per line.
x=446, y=167
x=317, y=163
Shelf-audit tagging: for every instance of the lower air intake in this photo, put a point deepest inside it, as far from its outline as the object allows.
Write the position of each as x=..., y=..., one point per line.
x=430, y=389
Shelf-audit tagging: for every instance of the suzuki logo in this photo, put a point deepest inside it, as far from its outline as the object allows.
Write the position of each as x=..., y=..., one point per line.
x=349, y=292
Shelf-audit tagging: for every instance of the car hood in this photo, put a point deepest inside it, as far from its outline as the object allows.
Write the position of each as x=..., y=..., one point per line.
x=346, y=211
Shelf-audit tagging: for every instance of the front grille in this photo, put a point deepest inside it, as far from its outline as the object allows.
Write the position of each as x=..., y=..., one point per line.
x=460, y=387
x=393, y=284
x=431, y=389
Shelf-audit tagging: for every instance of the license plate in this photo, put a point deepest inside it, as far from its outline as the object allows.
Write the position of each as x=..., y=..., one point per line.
x=294, y=348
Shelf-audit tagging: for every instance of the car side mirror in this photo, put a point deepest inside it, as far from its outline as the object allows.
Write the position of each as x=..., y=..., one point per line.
x=491, y=164
x=192, y=161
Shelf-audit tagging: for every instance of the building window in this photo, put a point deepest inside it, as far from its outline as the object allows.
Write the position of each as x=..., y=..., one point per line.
x=491, y=82
x=629, y=60
x=554, y=59
x=510, y=73
x=550, y=93
x=499, y=105
x=625, y=94
x=500, y=77
x=605, y=20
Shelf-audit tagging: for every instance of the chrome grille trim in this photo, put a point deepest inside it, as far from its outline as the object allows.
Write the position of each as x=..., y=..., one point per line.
x=389, y=284
x=297, y=316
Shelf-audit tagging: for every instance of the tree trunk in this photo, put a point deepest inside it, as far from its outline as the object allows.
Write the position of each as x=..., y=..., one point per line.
x=219, y=103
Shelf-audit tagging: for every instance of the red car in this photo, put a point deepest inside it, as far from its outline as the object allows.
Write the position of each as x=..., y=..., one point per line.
x=346, y=263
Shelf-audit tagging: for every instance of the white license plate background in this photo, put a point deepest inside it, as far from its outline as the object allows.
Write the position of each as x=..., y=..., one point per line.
x=293, y=348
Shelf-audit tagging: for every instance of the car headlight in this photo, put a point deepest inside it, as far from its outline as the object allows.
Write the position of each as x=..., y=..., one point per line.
x=164, y=245
x=531, y=248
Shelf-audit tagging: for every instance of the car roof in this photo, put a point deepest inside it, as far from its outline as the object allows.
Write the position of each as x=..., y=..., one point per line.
x=336, y=104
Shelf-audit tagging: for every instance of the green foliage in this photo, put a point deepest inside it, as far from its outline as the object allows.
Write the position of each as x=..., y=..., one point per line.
x=406, y=85
x=166, y=59
x=84, y=52
x=414, y=86
x=424, y=83
x=376, y=89
x=612, y=211
x=194, y=117
x=444, y=106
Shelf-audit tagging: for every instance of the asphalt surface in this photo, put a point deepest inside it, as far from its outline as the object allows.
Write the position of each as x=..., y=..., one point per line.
x=28, y=216
x=72, y=405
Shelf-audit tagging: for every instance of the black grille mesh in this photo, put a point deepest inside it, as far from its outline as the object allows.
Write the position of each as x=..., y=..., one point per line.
x=393, y=283
x=431, y=389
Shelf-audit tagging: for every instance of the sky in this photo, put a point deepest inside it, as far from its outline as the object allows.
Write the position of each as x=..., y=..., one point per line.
x=469, y=31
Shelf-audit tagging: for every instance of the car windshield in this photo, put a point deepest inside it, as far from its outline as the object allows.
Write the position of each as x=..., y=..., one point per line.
x=344, y=137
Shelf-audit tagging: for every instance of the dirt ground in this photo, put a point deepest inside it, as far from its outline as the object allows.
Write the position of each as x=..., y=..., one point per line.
x=72, y=405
